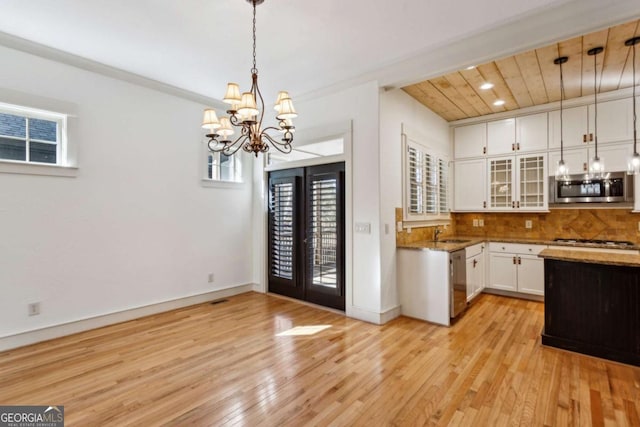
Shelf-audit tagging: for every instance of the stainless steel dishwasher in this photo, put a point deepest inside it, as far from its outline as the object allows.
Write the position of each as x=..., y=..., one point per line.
x=457, y=282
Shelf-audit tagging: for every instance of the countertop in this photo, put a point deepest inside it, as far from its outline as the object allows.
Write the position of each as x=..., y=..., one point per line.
x=470, y=241
x=606, y=258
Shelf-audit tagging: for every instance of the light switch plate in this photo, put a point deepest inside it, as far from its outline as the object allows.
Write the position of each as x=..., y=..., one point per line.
x=363, y=227
x=481, y=222
x=475, y=222
x=528, y=224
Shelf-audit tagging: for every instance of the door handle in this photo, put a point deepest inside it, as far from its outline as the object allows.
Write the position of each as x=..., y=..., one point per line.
x=519, y=261
x=513, y=147
x=517, y=146
x=475, y=262
x=514, y=260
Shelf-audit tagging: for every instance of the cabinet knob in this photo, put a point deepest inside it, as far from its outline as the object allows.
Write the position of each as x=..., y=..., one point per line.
x=517, y=146
x=584, y=167
x=484, y=204
x=590, y=137
x=513, y=147
x=584, y=138
x=514, y=260
x=484, y=150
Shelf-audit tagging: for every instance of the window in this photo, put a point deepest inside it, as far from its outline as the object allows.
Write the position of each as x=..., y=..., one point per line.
x=426, y=196
x=30, y=136
x=224, y=168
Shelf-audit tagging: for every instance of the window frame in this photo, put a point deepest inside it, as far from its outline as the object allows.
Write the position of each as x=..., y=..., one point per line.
x=63, y=165
x=434, y=184
x=212, y=182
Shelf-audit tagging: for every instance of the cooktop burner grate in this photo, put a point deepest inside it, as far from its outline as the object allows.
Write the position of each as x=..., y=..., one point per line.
x=595, y=241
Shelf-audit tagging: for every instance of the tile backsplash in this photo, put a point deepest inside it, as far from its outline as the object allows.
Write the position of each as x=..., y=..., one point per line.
x=606, y=224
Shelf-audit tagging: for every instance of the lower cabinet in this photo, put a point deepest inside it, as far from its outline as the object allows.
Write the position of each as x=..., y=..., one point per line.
x=475, y=270
x=516, y=268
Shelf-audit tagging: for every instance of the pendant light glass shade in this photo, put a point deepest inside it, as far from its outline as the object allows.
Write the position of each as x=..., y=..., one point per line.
x=596, y=165
x=562, y=170
x=633, y=164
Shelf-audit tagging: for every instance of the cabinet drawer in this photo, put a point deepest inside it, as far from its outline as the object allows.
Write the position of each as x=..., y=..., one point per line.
x=471, y=251
x=516, y=248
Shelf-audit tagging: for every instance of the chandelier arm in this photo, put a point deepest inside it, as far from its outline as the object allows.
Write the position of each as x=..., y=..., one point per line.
x=259, y=95
x=284, y=139
x=237, y=144
x=283, y=148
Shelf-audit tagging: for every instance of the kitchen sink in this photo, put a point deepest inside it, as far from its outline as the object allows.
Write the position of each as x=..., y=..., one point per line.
x=451, y=241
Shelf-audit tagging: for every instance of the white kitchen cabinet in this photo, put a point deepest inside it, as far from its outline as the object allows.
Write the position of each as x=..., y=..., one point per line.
x=516, y=268
x=531, y=132
x=517, y=183
x=501, y=137
x=475, y=270
x=522, y=134
x=614, y=156
x=470, y=185
x=575, y=126
x=470, y=141
x=615, y=124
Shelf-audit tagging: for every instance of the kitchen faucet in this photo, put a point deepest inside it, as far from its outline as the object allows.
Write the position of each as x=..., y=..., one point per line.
x=436, y=233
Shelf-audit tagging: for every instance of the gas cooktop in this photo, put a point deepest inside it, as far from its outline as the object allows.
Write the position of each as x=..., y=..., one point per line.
x=595, y=242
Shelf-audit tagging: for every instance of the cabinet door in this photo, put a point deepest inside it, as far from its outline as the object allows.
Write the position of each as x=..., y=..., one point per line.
x=577, y=160
x=613, y=156
x=469, y=141
x=501, y=136
x=475, y=276
x=615, y=121
x=531, y=132
x=501, y=177
x=532, y=182
x=530, y=274
x=575, y=126
x=470, y=185
x=502, y=271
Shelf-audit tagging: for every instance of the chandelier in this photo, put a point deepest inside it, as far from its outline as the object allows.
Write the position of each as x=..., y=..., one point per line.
x=246, y=113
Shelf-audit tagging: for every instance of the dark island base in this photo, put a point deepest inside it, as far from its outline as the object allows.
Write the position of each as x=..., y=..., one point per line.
x=590, y=349
x=593, y=309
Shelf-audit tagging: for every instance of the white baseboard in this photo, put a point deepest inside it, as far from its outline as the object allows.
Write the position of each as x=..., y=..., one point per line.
x=44, y=334
x=373, y=317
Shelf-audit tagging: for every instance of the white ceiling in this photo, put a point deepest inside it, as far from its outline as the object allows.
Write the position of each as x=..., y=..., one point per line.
x=304, y=46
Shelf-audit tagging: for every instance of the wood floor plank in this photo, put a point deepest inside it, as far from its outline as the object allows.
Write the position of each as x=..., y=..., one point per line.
x=224, y=365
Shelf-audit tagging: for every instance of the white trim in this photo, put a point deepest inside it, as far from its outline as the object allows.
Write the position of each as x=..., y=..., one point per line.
x=56, y=331
x=323, y=160
x=373, y=317
x=42, y=169
x=214, y=183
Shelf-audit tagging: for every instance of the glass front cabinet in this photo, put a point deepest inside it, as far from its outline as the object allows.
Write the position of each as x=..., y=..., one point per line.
x=517, y=183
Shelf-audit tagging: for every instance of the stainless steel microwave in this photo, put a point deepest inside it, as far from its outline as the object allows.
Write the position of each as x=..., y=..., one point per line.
x=615, y=187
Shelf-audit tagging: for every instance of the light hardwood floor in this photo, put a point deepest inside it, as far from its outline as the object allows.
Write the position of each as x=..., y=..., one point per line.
x=223, y=365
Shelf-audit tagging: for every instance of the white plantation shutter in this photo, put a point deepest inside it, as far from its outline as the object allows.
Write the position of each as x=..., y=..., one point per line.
x=425, y=184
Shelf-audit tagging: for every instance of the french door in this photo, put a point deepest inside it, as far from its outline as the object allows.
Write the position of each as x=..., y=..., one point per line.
x=306, y=234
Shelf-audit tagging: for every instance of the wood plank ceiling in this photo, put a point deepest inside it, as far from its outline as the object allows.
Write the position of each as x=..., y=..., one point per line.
x=531, y=78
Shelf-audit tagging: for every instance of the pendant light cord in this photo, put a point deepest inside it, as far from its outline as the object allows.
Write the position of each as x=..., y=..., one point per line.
x=561, y=120
x=635, y=149
x=595, y=94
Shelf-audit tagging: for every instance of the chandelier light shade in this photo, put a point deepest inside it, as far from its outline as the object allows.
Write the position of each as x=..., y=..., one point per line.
x=633, y=164
x=246, y=113
x=562, y=170
x=596, y=166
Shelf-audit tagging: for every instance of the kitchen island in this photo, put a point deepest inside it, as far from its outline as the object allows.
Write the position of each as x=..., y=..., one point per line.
x=592, y=303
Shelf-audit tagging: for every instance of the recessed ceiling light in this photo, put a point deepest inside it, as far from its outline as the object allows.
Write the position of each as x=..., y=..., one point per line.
x=486, y=86
x=470, y=67
x=498, y=102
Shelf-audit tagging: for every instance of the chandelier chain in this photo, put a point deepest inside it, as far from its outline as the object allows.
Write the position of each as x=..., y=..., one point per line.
x=254, y=69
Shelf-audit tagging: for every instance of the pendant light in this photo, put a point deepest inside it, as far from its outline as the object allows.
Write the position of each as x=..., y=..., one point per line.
x=633, y=165
x=562, y=170
x=596, y=166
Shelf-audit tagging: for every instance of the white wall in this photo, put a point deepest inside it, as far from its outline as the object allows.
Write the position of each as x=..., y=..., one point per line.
x=398, y=108
x=134, y=227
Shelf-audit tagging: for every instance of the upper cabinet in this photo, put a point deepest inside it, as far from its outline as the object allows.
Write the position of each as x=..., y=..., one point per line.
x=501, y=137
x=470, y=141
x=615, y=124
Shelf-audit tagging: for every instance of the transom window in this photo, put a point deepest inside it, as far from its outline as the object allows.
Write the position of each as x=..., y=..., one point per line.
x=31, y=137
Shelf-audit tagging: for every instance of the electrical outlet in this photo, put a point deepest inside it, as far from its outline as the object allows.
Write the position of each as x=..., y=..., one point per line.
x=211, y=277
x=475, y=222
x=363, y=227
x=399, y=226
x=481, y=222
x=33, y=309
x=528, y=224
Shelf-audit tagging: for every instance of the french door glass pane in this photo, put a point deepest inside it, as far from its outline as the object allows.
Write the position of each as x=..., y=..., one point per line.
x=282, y=230
x=324, y=232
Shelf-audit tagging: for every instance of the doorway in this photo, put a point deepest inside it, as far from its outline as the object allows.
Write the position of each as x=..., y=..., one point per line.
x=306, y=234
